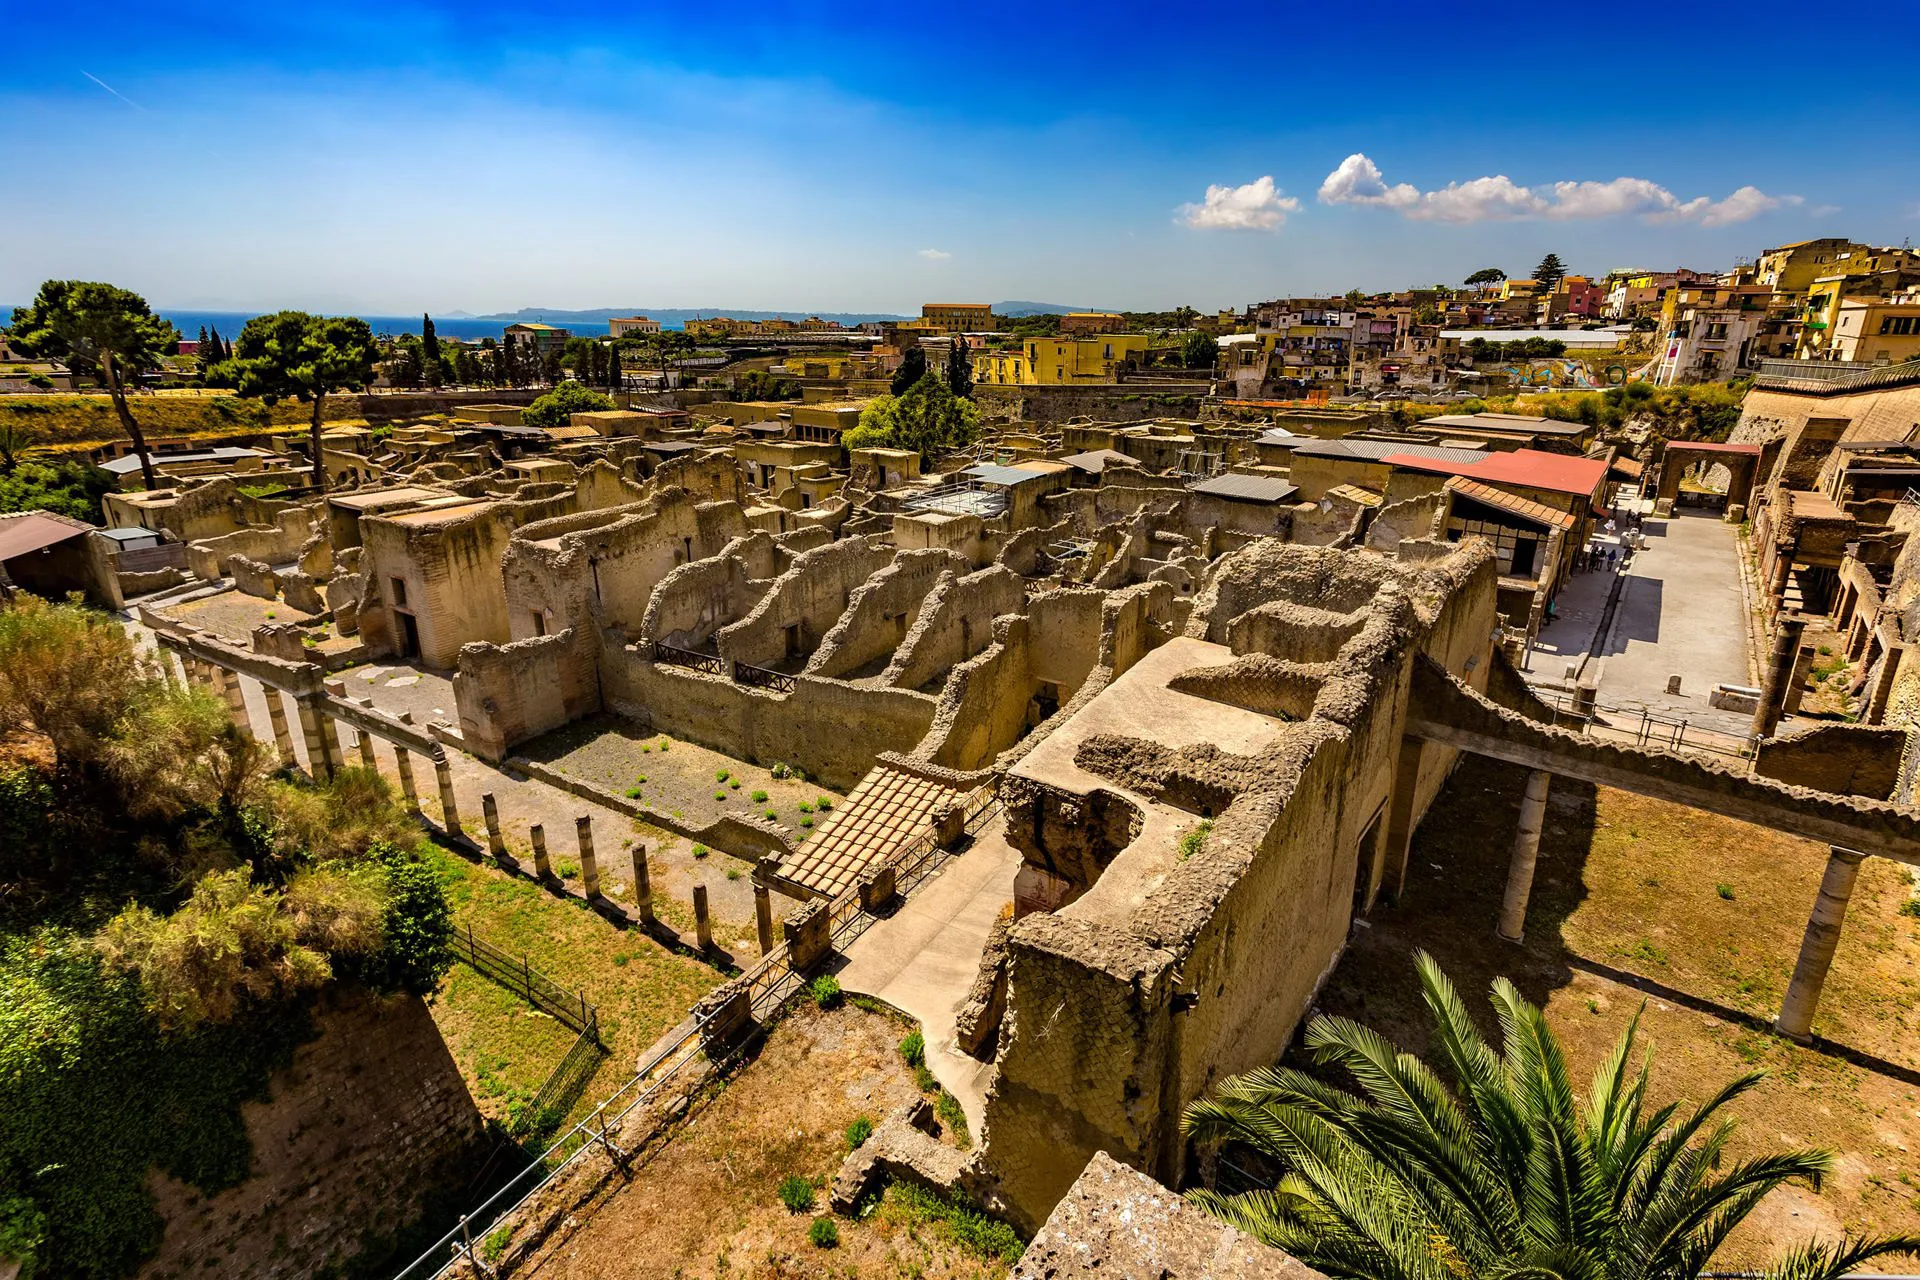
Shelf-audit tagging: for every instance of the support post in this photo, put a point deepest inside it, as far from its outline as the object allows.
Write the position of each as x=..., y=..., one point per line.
x=236, y=700
x=277, y=717
x=589, y=869
x=642, y=883
x=403, y=765
x=320, y=759
x=1406, y=779
x=1526, y=852
x=449, y=806
x=366, y=752
x=702, y=919
x=1779, y=675
x=490, y=812
x=763, y=916
x=1816, y=948
x=542, y=865
x=340, y=728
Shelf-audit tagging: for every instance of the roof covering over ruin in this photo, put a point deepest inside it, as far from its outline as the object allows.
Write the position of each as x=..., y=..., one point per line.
x=888, y=809
x=1514, y=505
x=1528, y=468
x=1245, y=488
x=36, y=531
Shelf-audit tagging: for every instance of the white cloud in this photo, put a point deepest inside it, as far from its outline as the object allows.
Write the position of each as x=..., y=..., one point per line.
x=1498, y=198
x=1257, y=206
x=935, y=255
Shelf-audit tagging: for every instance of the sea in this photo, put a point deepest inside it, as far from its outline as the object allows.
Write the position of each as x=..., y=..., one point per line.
x=229, y=324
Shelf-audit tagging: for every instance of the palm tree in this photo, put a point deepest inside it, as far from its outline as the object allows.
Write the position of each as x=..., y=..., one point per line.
x=1507, y=1174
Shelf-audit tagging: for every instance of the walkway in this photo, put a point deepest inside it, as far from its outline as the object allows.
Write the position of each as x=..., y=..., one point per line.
x=922, y=960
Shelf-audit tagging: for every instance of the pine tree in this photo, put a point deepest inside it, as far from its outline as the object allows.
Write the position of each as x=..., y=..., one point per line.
x=959, y=368
x=1550, y=272
x=219, y=349
x=613, y=367
x=912, y=366
x=429, y=351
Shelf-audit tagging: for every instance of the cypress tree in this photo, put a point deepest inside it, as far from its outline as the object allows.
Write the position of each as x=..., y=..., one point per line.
x=429, y=351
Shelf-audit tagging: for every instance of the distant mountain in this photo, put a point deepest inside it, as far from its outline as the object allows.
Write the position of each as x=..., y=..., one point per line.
x=673, y=317
x=1018, y=309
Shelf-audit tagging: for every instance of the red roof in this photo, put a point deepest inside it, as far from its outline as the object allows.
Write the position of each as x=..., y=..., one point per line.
x=1528, y=468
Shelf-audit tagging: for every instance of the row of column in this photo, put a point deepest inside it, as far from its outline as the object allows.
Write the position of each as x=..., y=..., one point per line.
x=1817, y=945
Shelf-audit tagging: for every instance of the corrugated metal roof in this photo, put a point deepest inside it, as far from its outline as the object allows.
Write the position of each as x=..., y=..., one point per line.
x=130, y=463
x=1245, y=488
x=1005, y=477
x=1509, y=422
x=35, y=530
x=1094, y=461
x=1501, y=500
x=1379, y=450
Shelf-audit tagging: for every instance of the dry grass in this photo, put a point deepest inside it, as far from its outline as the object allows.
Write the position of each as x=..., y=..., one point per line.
x=706, y=1205
x=68, y=421
x=1699, y=918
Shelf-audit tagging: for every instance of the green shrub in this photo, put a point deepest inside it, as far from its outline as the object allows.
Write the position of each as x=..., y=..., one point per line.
x=914, y=1049
x=780, y=770
x=759, y=797
x=772, y=815
x=555, y=408
x=1724, y=890
x=796, y=1193
x=806, y=822
x=701, y=851
x=720, y=776
x=947, y=1107
x=960, y=1222
x=733, y=784
x=924, y=1078
x=805, y=807
x=858, y=1132
x=633, y=793
x=823, y=1234
x=823, y=803
x=720, y=794
x=1195, y=840
x=826, y=992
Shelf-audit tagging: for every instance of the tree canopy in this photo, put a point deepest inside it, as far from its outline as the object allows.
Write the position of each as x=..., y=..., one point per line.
x=292, y=355
x=558, y=405
x=912, y=366
x=99, y=331
x=1550, y=272
x=1486, y=275
x=1199, y=351
x=1507, y=1172
x=928, y=418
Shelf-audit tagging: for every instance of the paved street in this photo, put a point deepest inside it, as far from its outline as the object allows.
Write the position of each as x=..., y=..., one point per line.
x=1680, y=612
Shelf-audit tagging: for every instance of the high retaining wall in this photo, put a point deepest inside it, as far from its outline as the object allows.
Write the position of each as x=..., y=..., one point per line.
x=367, y=1130
x=1107, y=402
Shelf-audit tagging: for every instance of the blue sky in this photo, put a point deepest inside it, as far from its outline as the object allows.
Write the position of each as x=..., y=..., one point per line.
x=483, y=157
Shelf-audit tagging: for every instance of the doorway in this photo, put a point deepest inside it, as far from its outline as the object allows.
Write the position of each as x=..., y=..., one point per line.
x=409, y=635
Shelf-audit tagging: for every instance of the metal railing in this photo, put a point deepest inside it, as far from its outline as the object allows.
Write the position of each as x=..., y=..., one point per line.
x=1640, y=727
x=519, y=976
x=678, y=1066
x=673, y=655
x=1833, y=375
x=762, y=678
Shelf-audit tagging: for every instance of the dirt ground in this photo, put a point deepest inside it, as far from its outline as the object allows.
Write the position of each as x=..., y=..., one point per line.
x=1699, y=918
x=704, y=1206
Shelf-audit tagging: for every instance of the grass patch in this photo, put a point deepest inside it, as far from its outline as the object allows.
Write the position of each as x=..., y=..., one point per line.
x=956, y=1220
x=858, y=1132
x=504, y=1047
x=913, y=1049
x=823, y=1234
x=1195, y=840
x=947, y=1108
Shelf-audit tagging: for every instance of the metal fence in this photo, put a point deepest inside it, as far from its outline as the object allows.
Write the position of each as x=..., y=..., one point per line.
x=676, y=1067
x=762, y=678
x=1637, y=726
x=674, y=655
x=1833, y=375
x=519, y=976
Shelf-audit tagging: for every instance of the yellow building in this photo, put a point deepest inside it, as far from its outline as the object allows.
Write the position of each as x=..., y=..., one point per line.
x=956, y=317
x=1058, y=362
x=1877, y=330
x=1792, y=268
x=1078, y=322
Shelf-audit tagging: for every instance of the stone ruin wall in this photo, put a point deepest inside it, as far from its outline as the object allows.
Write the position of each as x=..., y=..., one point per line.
x=365, y=1133
x=1094, y=1055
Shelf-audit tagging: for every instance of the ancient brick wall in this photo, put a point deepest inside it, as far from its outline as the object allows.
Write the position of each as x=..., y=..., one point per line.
x=368, y=1127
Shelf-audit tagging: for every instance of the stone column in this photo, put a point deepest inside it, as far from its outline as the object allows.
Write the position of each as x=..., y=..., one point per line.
x=1406, y=776
x=1779, y=676
x=366, y=753
x=589, y=869
x=642, y=883
x=449, y=806
x=1526, y=851
x=319, y=743
x=490, y=812
x=403, y=765
x=340, y=728
x=542, y=864
x=763, y=916
x=702, y=920
x=277, y=717
x=1816, y=948
x=236, y=700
